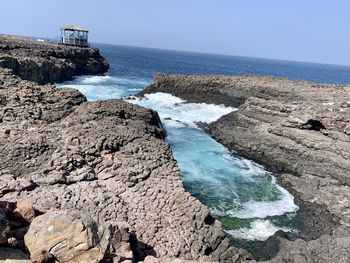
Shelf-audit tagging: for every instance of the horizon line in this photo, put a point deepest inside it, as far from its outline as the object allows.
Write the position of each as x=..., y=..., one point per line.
x=204, y=52
x=222, y=54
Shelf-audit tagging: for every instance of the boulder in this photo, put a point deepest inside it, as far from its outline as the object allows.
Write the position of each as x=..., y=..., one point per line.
x=68, y=236
x=24, y=210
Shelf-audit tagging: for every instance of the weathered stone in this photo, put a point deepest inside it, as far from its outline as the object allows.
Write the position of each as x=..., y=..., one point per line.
x=68, y=236
x=24, y=210
x=296, y=128
x=105, y=158
x=48, y=62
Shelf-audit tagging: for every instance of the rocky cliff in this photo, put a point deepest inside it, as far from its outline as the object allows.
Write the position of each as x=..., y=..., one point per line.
x=105, y=160
x=46, y=62
x=298, y=129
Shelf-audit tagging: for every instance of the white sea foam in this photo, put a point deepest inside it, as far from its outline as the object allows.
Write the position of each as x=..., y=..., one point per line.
x=259, y=230
x=176, y=111
x=263, y=209
x=104, y=87
x=94, y=79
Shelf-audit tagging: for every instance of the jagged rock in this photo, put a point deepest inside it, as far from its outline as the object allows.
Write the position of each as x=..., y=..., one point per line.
x=68, y=236
x=45, y=62
x=108, y=159
x=233, y=91
x=299, y=129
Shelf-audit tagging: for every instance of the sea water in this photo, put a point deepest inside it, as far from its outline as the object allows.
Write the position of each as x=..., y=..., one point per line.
x=241, y=194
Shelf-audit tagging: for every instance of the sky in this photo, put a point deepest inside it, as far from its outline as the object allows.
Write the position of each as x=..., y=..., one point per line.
x=299, y=30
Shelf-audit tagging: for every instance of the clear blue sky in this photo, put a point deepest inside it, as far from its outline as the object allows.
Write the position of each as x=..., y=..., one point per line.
x=302, y=30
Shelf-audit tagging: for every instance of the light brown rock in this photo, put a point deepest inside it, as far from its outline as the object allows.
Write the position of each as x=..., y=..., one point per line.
x=24, y=209
x=67, y=235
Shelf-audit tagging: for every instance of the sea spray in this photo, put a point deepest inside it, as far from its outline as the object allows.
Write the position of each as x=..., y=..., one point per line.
x=105, y=87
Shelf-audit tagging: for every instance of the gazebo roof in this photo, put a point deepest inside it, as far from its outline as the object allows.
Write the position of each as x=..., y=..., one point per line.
x=74, y=28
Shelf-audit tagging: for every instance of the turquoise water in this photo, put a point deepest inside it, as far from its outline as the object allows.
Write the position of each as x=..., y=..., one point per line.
x=240, y=193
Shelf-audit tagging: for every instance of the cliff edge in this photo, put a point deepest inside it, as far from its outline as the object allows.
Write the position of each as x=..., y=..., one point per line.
x=44, y=62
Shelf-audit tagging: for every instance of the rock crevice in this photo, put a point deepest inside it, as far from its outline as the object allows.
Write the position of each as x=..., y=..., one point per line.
x=106, y=159
x=299, y=130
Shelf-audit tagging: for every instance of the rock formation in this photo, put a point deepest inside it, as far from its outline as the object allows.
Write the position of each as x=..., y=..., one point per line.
x=67, y=236
x=106, y=159
x=46, y=62
x=300, y=130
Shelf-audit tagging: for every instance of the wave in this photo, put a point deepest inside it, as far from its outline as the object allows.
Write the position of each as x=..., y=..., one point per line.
x=177, y=113
x=259, y=230
x=231, y=186
x=263, y=209
x=105, y=87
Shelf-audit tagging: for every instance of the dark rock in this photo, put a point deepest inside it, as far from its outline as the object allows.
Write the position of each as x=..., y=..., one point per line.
x=107, y=159
x=44, y=62
x=4, y=226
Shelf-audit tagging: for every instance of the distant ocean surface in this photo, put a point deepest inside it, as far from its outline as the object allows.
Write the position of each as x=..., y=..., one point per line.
x=240, y=193
x=144, y=63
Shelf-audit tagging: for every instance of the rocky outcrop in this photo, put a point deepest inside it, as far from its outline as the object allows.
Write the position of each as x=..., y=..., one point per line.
x=106, y=159
x=298, y=129
x=45, y=62
x=67, y=236
x=233, y=91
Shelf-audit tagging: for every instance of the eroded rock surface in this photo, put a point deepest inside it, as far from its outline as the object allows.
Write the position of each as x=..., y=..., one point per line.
x=107, y=159
x=68, y=236
x=44, y=62
x=299, y=129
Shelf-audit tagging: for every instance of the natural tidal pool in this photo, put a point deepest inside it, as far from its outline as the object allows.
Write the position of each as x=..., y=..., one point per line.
x=240, y=193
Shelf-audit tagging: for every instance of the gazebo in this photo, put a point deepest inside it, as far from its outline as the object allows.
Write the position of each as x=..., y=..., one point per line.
x=74, y=36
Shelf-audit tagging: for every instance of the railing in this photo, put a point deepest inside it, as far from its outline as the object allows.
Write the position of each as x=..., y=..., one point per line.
x=75, y=41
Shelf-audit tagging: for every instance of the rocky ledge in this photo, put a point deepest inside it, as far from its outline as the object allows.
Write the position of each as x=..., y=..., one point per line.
x=300, y=130
x=95, y=177
x=44, y=62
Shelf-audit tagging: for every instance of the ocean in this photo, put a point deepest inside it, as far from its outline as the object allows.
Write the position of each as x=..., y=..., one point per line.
x=240, y=193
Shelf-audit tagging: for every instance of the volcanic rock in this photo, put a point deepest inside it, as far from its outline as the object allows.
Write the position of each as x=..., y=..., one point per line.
x=107, y=159
x=24, y=210
x=296, y=128
x=45, y=62
x=68, y=236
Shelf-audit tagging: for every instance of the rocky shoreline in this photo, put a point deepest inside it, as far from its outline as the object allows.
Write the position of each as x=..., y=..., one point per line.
x=94, y=177
x=298, y=129
x=44, y=62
